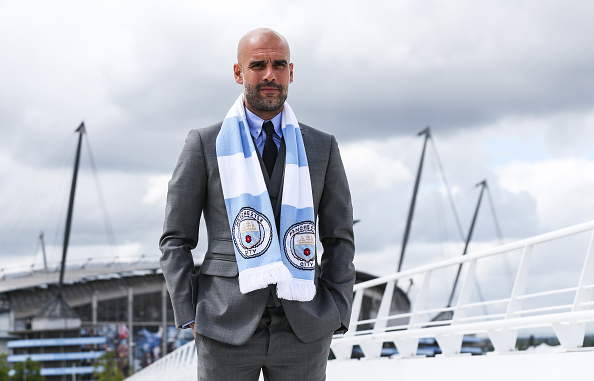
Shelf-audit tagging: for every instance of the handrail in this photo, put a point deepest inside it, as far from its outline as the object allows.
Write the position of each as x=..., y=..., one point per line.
x=562, y=233
x=566, y=319
x=175, y=366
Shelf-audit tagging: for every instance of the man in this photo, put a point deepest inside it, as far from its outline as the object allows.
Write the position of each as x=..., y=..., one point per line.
x=263, y=300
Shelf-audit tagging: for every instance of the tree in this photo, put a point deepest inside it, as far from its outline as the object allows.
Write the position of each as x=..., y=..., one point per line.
x=4, y=368
x=31, y=370
x=107, y=368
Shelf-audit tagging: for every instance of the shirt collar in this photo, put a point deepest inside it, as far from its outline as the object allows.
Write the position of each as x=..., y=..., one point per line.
x=255, y=123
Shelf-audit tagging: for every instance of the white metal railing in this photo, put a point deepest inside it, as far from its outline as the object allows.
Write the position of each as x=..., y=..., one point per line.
x=509, y=313
x=178, y=365
x=568, y=320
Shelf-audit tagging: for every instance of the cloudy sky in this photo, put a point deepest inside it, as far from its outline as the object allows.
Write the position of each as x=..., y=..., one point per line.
x=507, y=88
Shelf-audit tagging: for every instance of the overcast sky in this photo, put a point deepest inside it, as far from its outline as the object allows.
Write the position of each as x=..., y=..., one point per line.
x=506, y=86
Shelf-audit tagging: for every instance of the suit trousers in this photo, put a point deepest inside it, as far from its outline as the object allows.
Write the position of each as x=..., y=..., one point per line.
x=274, y=349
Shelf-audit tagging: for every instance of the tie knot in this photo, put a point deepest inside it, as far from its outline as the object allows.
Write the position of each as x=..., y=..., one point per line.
x=268, y=127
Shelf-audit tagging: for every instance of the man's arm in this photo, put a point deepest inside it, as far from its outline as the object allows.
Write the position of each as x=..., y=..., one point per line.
x=185, y=200
x=335, y=215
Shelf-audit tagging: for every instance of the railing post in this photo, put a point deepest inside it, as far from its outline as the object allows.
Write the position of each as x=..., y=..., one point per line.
x=571, y=334
x=465, y=292
x=584, y=294
x=420, y=301
x=407, y=347
x=504, y=340
x=373, y=349
x=451, y=344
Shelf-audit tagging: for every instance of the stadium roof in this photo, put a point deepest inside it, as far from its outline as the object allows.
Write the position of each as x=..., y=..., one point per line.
x=41, y=278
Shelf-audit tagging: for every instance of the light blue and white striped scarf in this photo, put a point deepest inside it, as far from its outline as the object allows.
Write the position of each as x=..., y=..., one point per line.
x=263, y=258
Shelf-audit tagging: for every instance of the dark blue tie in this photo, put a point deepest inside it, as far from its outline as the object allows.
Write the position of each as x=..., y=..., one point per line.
x=270, y=151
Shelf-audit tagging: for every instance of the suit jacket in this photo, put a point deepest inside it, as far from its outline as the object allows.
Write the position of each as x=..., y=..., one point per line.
x=212, y=297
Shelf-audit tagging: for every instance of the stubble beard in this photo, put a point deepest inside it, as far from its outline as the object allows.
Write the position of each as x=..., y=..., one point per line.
x=260, y=103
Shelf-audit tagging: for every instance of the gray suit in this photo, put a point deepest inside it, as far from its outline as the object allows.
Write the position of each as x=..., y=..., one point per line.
x=213, y=298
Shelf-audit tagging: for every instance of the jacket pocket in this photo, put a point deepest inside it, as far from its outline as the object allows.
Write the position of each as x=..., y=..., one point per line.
x=220, y=260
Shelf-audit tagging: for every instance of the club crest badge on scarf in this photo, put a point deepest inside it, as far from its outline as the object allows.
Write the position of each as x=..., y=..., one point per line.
x=300, y=245
x=252, y=233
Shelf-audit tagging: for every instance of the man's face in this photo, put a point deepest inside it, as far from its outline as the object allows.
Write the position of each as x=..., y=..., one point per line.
x=265, y=72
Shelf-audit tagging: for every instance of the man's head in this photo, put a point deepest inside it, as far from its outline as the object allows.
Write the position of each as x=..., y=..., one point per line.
x=264, y=69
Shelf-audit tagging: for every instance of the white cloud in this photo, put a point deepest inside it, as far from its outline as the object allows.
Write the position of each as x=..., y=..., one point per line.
x=561, y=188
x=374, y=164
x=156, y=192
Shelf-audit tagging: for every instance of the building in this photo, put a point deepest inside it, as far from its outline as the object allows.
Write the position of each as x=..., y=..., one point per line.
x=116, y=307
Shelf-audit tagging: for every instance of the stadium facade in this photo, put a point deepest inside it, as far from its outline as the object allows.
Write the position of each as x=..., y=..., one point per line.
x=118, y=307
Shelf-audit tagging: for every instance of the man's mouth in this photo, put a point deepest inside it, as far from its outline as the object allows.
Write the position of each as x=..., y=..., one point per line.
x=269, y=88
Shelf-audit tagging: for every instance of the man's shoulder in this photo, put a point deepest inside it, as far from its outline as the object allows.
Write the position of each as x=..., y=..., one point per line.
x=204, y=135
x=313, y=134
x=206, y=132
x=313, y=131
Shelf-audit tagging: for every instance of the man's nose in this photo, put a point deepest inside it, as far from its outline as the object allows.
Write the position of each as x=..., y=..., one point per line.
x=269, y=73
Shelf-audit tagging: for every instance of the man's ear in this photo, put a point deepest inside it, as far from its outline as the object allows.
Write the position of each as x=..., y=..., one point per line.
x=237, y=72
x=290, y=73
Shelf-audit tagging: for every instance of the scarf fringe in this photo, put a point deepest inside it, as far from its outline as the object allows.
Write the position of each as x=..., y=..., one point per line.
x=300, y=290
x=260, y=277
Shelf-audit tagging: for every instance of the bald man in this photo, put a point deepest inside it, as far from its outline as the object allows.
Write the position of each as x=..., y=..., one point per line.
x=266, y=299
